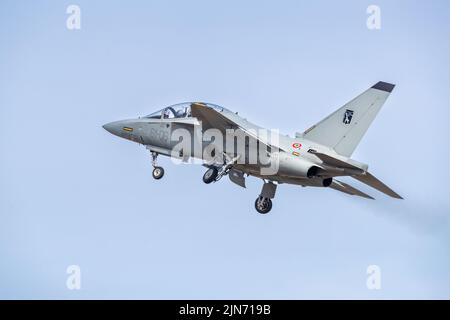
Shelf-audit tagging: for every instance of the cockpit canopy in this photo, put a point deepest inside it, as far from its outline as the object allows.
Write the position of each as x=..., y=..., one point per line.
x=180, y=110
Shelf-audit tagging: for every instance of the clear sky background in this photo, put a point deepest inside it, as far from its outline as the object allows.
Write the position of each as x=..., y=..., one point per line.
x=73, y=194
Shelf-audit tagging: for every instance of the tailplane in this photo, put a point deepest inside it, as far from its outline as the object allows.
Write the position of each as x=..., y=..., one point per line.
x=370, y=180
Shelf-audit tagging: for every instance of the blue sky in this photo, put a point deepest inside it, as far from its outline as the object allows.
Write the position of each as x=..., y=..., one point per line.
x=71, y=193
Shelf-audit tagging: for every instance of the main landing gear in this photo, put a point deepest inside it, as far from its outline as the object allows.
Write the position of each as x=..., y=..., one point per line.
x=216, y=173
x=210, y=175
x=158, y=172
x=263, y=204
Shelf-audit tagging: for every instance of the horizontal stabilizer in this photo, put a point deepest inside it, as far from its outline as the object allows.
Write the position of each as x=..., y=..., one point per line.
x=346, y=188
x=370, y=180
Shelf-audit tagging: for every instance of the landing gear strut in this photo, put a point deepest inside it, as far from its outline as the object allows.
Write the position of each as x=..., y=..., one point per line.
x=263, y=203
x=158, y=172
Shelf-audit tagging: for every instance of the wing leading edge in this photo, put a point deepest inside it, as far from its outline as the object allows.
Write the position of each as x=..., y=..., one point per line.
x=212, y=118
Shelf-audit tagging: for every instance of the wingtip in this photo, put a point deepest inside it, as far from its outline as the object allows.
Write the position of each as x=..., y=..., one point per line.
x=384, y=86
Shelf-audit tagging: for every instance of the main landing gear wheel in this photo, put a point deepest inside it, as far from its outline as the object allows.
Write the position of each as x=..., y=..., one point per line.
x=158, y=173
x=210, y=175
x=263, y=205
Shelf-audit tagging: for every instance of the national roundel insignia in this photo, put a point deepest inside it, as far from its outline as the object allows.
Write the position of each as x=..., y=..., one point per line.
x=297, y=145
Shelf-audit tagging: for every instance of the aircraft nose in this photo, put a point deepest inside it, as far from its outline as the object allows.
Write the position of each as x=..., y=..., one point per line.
x=113, y=127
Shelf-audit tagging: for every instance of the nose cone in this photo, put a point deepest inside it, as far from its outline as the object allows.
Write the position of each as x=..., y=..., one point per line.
x=114, y=127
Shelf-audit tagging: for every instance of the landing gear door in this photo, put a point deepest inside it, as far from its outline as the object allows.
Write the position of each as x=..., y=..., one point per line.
x=237, y=177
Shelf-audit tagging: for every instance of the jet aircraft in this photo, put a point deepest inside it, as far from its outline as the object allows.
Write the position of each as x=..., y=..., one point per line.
x=315, y=158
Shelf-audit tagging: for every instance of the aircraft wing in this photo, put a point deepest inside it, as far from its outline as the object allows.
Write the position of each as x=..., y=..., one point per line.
x=212, y=118
x=346, y=188
x=370, y=180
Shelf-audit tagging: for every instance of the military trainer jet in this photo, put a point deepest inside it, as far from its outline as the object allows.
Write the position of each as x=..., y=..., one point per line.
x=228, y=144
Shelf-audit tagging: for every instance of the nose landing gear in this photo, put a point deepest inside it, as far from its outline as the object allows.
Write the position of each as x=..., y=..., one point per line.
x=158, y=172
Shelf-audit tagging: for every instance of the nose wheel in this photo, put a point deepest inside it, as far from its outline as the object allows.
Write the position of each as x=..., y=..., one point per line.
x=158, y=172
